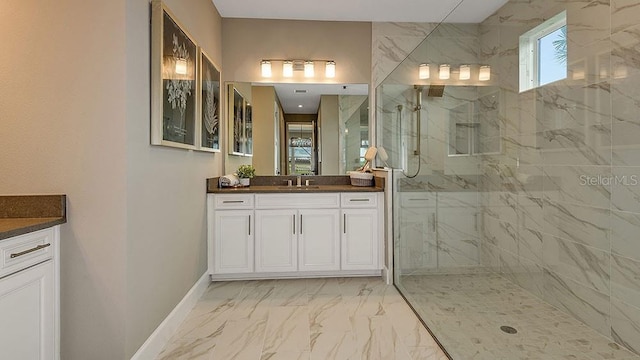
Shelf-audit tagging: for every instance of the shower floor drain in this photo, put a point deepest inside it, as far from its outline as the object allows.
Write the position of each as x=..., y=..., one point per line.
x=508, y=329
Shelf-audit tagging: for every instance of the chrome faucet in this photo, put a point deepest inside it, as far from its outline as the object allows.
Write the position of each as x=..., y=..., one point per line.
x=299, y=181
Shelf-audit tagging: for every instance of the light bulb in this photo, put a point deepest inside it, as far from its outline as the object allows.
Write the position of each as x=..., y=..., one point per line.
x=181, y=66
x=287, y=69
x=445, y=71
x=485, y=73
x=308, y=69
x=423, y=71
x=465, y=72
x=265, y=66
x=330, y=69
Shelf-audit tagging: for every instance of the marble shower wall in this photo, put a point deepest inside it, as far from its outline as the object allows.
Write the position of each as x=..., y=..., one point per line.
x=560, y=199
x=561, y=202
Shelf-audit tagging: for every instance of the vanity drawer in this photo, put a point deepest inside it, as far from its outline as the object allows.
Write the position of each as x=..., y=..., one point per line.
x=298, y=201
x=22, y=251
x=232, y=201
x=417, y=200
x=359, y=200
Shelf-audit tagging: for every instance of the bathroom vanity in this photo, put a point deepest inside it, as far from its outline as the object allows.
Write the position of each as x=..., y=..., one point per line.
x=29, y=276
x=272, y=231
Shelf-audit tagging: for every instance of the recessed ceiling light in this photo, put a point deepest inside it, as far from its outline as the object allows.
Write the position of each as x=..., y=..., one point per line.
x=300, y=105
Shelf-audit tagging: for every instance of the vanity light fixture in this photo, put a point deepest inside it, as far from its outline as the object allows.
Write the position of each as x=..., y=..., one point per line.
x=485, y=73
x=465, y=72
x=265, y=67
x=290, y=66
x=308, y=69
x=287, y=69
x=330, y=69
x=423, y=71
x=445, y=71
x=181, y=66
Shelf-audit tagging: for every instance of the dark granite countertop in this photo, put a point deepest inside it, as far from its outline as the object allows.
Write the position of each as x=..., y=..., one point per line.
x=278, y=184
x=22, y=214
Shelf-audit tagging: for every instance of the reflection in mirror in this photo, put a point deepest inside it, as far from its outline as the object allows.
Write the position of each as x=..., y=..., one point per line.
x=306, y=129
x=301, y=148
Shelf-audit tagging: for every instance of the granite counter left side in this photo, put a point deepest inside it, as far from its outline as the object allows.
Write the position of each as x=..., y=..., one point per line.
x=21, y=214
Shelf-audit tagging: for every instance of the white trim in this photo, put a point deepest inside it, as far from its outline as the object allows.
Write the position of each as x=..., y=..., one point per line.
x=295, y=275
x=529, y=65
x=159, y=338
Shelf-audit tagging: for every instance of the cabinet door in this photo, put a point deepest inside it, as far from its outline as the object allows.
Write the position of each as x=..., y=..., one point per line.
x=319, y=240
x=233, y=242
x=27, y=314
x=417, y=247
x=360, y=239
x=276, y=240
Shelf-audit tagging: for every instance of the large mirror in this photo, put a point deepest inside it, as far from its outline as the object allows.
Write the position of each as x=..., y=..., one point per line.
x=304, y=129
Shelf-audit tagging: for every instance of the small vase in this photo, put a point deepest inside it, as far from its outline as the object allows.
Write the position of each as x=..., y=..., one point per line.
x=244, y=181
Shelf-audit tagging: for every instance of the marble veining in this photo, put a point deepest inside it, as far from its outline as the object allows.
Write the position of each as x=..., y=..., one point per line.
x=310, y=319
x=476, y=305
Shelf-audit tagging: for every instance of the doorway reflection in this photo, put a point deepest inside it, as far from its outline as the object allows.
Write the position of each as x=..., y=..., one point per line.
x=301, y=148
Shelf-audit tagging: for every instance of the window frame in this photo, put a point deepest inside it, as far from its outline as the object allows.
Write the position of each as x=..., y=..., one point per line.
x=529, y=50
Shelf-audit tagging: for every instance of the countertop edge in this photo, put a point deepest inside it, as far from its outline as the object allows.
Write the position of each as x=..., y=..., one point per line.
x=31, y=228
x=294, y=190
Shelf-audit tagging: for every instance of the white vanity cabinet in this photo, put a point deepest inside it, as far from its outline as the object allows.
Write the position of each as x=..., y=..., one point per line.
x=361, y=229
x=29, y=318
x=298, y=234
x=314, y=225
x=231, y=223
x=276, y=240
x=319, y=240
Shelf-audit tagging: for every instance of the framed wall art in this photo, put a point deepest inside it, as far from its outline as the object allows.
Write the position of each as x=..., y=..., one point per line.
x=210, y=105
x=236, y=121
x=174, y=93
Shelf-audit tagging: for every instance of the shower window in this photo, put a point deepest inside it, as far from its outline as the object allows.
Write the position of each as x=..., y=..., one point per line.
x=543, y=53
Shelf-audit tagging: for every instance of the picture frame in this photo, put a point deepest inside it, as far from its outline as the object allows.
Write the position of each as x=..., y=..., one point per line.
x=174, y=85
x=210, y=96
x=240, y=123
x=248, y=129
x=236, y=107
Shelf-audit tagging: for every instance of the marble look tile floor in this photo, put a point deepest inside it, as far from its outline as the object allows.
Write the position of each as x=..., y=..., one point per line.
x=465, y=313
x=310, y=319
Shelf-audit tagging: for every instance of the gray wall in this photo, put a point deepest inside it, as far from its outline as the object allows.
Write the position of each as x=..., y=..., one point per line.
x=75, y=113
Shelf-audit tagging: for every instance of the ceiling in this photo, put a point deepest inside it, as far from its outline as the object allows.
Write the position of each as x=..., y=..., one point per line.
x=291, y=96
x=469, y=11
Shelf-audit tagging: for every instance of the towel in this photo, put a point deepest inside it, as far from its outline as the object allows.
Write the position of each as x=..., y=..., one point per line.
x=229, y=180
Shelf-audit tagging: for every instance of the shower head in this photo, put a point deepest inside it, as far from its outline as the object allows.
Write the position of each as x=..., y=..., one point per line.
x=435, y=91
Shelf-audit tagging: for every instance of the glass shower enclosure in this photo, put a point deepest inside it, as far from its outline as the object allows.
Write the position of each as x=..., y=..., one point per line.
x=500, y=247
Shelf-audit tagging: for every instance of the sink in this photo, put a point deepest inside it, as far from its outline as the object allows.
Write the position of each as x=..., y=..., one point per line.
x=298, y=188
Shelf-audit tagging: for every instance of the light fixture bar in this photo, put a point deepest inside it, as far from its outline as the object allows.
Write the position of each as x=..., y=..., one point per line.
x=290, y=66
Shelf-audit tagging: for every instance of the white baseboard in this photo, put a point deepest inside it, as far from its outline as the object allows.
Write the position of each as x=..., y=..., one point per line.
x=159, y=338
